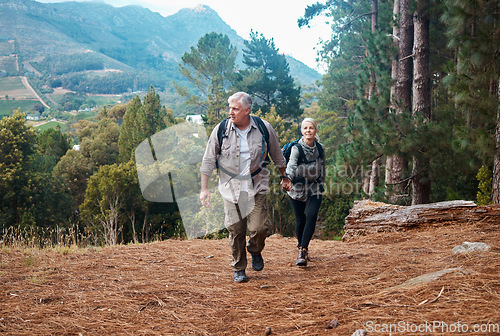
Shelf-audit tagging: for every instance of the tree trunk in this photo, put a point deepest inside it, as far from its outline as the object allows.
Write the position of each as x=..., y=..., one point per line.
x=405, y=61
x=421, y=183
x=131, y=216
x=421, y=101
x=365, y=183
x=400, y=95
x=367, y=217
x=371, y=181
x=374, y=15
x=373, y=81
x=496, y=162
x=390, y=177
x=374, y=177
x=146, y=215
x=395, y=39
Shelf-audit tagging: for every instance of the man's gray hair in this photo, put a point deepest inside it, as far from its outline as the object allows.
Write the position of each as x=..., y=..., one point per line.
x=241, y=97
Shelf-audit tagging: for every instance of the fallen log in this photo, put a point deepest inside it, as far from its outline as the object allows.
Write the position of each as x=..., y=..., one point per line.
x=368, y=217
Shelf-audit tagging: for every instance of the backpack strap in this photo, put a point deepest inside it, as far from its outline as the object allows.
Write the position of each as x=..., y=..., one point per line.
x=221, y=133
x=302, y=159
x=320, y=149
x=321, y=155
x=264, y=160
x=262, y=128
x=302, y=155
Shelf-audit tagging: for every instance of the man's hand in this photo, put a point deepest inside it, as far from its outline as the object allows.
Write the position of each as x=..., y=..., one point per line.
x=286, y=184
x=204, y=193
x=205, y=197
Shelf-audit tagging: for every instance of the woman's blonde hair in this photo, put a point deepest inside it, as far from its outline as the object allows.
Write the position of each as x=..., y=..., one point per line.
x=315, y=124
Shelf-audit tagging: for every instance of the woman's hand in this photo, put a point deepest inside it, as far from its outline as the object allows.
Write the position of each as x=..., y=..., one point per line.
x=286, y=184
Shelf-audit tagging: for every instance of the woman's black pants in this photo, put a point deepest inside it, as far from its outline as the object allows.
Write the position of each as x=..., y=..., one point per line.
x=306, y=214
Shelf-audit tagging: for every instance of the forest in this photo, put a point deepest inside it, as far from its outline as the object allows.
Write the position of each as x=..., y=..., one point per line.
x=408, y=111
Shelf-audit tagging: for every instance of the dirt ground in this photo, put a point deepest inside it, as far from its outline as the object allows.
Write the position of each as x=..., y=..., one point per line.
x=186, y=288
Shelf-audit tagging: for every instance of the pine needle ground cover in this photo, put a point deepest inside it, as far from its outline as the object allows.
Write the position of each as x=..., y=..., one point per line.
x=186, y=288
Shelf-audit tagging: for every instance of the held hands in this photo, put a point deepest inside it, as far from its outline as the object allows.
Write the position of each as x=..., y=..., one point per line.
x=286, y=184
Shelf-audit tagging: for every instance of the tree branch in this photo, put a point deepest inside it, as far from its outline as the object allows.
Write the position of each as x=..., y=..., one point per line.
x=357, y=17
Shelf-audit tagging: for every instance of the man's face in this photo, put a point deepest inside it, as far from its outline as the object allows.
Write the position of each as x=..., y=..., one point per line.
x=239, y=115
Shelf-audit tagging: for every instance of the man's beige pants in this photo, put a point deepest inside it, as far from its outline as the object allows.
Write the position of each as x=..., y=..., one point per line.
x=257, y=223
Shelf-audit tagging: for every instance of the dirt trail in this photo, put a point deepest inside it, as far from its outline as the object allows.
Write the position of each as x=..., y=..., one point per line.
x=186, y=287
x=33, y=92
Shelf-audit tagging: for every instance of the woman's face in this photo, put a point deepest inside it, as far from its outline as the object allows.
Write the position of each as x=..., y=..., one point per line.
x=308, y=130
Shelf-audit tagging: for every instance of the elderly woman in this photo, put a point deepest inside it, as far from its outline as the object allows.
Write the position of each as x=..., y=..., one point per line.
x=306, y=170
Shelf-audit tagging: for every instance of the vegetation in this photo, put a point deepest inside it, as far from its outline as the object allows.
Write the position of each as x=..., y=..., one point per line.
x=58, y=65
x=267, y=77
x=408, y=112
x=401, y=124
x=52, y=125
x=210, y=68
x=7, y=106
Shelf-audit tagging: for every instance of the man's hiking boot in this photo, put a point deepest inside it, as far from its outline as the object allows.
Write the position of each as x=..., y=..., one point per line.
x=302, y=258
x=257, y=262
x=240, y=276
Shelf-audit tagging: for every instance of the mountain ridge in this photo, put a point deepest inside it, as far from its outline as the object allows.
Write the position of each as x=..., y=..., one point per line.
x=70, y=40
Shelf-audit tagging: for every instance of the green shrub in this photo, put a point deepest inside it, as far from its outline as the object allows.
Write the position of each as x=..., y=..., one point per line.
x=484, y=177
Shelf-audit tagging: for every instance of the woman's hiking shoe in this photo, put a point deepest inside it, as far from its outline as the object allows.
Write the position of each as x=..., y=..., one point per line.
x=240, y=276
x=302, y=258
x=257, y=262
x=307, y=254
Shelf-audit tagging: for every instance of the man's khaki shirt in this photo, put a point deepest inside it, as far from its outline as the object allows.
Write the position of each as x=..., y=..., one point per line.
x=229, y=159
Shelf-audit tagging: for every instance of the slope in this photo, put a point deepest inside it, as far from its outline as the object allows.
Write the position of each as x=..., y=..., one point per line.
x=185, y=288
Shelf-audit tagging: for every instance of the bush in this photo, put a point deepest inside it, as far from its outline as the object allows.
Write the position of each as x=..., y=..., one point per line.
x=334, y=210
x=484, y=177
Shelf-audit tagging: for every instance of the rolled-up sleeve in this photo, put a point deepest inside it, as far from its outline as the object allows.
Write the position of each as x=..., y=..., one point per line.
x=210, y=156
x=275, y=149
x=291, y=168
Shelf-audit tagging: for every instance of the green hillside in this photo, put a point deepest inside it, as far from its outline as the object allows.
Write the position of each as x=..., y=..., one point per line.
x=13, y=95
x=91, y=47
x=7, y=106
x=51, y=124
x=14, y=88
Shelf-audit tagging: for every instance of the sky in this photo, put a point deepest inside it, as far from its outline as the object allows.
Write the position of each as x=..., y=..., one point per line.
x=275, y=19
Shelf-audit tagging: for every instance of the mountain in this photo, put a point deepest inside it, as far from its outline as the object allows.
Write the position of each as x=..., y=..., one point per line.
x=97, y=48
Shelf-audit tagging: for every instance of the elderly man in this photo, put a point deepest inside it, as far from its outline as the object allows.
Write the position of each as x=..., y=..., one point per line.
x=239, y=146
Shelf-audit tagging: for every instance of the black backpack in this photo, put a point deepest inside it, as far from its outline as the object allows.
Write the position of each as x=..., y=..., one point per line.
x=287, y=150
x=221, y=135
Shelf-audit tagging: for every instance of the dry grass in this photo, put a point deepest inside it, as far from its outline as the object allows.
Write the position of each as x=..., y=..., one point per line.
x=59, y=237
x=186, y=288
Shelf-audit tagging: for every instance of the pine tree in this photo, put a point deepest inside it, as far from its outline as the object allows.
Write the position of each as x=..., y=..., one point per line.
x=474, y=33
x=210, y=68
x=373, y=130
x=367, y=130
x=397, y=165
x=151, y=118
x=421, y=101
x=268, y=78
x=17, y=145
x=129, y=137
